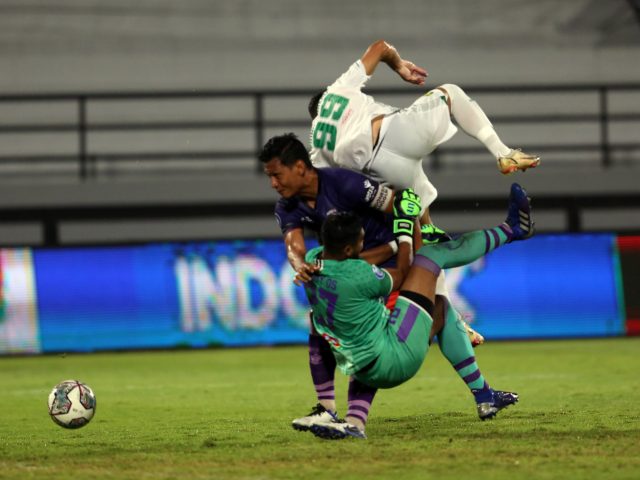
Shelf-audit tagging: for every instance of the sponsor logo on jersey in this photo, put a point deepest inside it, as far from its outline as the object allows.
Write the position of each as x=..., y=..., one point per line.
x=331, y=340
x=377, y=272
x=381, y=198
x=371, y=190
x=346, y=117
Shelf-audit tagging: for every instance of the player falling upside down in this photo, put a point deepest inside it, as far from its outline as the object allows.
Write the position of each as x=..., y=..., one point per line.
x=379, y=349
x=351, y=130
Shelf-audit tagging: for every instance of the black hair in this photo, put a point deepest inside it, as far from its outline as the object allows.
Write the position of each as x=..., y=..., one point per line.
x=288, y=148
x=313, y=104
x=340, y=230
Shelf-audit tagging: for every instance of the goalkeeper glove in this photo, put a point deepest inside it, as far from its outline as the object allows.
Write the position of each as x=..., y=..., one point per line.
x=406, y=204
x=432, y=235
x=403, y=227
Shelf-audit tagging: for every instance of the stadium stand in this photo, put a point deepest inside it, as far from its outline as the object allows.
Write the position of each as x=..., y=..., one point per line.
x=160, y=104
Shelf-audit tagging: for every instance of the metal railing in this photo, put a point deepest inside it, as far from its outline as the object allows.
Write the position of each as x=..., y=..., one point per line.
x=259, y=122
x=52, y=219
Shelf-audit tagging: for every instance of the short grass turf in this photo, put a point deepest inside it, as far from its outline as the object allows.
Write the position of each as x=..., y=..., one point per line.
x=226, y=414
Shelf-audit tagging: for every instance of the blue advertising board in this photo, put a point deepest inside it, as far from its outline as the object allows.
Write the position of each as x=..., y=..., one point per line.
x=549, y=286
x=233, y=293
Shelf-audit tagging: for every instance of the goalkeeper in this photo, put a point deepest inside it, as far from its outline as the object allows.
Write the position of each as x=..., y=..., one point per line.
x=381, y=349
x=307, y=197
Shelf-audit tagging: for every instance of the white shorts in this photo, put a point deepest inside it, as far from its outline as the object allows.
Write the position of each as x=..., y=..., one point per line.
x=406, y=137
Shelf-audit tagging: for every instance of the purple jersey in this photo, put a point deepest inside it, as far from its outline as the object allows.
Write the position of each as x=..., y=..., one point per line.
x=341, y=190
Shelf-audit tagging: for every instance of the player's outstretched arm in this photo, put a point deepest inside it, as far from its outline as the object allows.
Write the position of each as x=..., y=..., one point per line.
x=296, y=250
x=381, y=51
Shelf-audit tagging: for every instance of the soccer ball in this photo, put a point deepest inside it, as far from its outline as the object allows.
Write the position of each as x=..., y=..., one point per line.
x=72, y=404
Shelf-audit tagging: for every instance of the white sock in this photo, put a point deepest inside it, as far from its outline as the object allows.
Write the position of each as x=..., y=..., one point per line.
x=488, y=136
x=473, y=121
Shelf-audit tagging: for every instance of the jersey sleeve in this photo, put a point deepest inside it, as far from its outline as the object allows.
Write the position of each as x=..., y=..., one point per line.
x=374, y=282
x=354, y=77
x=287, y=218
x=362, y=192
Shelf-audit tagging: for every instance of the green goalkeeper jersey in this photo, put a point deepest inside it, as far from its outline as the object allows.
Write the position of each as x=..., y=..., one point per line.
x=347, y=298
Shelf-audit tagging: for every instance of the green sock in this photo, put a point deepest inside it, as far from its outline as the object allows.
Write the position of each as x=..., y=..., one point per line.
x=456, y=347
x=463, y=250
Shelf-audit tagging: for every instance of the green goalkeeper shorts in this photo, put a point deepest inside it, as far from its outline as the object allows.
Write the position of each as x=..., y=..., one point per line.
x=406, y=344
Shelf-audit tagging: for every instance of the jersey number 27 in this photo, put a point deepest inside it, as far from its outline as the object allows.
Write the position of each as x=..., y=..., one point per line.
x=331, y=300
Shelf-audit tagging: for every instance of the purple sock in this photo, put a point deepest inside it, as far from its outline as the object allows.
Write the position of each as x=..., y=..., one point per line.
x=360, y=398
x=322, y=364
x=484, y=394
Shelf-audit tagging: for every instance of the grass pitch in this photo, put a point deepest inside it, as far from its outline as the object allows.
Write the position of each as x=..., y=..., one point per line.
x=226, y=414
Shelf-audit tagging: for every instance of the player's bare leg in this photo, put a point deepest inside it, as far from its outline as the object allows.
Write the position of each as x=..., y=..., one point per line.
x=438, y=316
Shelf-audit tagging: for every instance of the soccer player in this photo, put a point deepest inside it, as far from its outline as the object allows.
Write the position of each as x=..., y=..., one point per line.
x=379, y=349
x=351, y=130
x=308, y=196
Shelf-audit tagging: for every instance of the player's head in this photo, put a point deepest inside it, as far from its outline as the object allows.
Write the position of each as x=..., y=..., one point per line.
x=286, y=162
x=342, y=235
x=313, y=104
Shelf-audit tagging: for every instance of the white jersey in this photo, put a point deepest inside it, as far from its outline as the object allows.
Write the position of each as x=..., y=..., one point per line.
x=341, y=133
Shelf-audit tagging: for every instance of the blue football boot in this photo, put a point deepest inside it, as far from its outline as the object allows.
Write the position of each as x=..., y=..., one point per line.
x=519, y=216
x=499, y=401
x=337, y=431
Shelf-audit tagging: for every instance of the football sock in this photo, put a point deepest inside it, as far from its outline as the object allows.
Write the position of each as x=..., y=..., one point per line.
x=472, y=119
x=322, y=364
x=462, y=250
x=360, y=397
x=456, y=347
